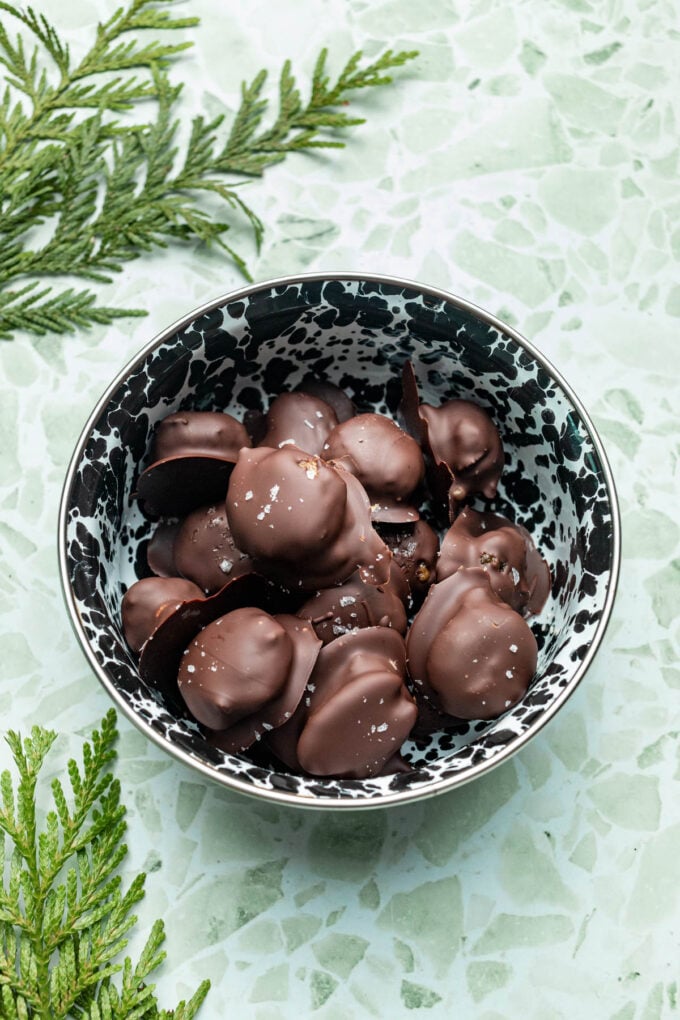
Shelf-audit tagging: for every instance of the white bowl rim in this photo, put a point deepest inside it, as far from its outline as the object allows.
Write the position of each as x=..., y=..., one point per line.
x=408, y=794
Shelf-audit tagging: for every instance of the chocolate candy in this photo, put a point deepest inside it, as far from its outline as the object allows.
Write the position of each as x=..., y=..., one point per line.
x=298, y=419
x=148, y=602
x=193, y=455
x=245, y=673
x=357, y=711
x=518, y=573
x=414, y=547
x=303, y=521
x=205, y=551
x=160, y=552
x=353, y=605
x=385, y=459
x=330, y=394
x=468, y=652
x=461, y=440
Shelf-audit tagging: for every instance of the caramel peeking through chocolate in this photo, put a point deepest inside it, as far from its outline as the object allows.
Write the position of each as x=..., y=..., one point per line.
x=517, y=572
x=468, y=653
x=414, y=547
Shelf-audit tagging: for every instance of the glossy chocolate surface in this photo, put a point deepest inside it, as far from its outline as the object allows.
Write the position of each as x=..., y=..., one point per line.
x=147, y=603
x=386, y=460
x=298, y=419
x=468, y=652
x=518, y=573
x=357, y=710
x=205, y=551
x=303, y=521
x=352, y=605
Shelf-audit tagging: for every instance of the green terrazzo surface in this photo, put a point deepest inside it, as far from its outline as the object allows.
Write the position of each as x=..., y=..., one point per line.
x=529, y=162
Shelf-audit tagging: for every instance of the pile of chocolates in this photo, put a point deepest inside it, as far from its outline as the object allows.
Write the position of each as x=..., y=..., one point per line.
x=300, y=602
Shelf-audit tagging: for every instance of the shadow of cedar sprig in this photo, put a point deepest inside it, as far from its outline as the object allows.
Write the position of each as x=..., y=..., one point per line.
x=112, y=191
x=64, y=916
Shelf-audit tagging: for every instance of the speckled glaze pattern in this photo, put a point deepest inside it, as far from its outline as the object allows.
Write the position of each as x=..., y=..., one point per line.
x=244, y=350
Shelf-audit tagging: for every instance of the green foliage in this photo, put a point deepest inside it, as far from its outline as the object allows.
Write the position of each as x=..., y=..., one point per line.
x=64, y=915
x=106, y=191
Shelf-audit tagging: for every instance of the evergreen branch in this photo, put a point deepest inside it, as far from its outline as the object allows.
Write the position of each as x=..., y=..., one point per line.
x=110, y=191
x=63, y=915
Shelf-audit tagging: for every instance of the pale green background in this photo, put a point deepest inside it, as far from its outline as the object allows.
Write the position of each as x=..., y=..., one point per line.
x=529, y=162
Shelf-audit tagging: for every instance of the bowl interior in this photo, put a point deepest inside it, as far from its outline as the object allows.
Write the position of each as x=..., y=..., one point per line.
x=357, y=333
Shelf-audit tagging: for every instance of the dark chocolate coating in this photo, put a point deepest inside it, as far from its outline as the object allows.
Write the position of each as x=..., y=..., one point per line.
x=298, y=419
x=468, y=652
x=193, y=455
x=357, y=711
x=148, y=602
x=234, y=666
x=279, y=709
x=386, y=460
x=205, y=550
x=303, y=521
x=414, y=547
x=517, y=572
x=199, y=434
x=352, y=605
x=461, y=440
x=160, y=552
x=331, y=394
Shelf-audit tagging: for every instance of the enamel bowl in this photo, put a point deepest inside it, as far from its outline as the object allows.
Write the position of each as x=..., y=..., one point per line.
x=242, y=349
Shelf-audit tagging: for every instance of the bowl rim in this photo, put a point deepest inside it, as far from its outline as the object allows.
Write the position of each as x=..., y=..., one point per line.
x=272, y=794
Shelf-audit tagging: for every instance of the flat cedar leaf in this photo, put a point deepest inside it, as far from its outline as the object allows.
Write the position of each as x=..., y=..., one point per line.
x=64, y=916
x=113, y=191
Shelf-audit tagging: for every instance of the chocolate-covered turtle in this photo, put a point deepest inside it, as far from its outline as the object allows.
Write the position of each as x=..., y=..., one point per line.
x=148, y=602
x=518, y=573
x=205, y=552
x=356, y=711
x=298, y=419
x=303, y=521
x=414, y=548
x=386, y=460
x=469, y=653
x=353, y=605
x=192, y=457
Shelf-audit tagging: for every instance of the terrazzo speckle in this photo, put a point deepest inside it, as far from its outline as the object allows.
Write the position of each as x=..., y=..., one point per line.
x=528, y=162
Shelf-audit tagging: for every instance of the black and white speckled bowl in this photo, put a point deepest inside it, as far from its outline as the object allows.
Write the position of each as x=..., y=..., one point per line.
x=235, y=353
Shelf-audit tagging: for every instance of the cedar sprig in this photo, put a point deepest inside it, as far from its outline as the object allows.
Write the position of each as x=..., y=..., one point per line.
x=112, y=190
x=64, y=915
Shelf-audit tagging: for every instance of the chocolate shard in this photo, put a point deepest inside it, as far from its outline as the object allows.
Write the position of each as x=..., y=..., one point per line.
x=518, y=573
x=193, y=456
x=160, y=552
x=462, y=445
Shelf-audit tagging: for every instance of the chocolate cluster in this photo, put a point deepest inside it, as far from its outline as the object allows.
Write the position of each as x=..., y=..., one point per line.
x=290, y=555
